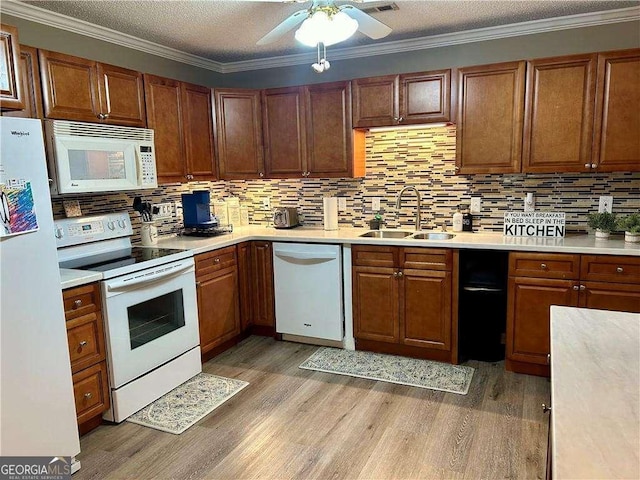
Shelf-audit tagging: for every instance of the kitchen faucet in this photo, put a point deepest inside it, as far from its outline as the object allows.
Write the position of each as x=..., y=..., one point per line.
x=417, y=206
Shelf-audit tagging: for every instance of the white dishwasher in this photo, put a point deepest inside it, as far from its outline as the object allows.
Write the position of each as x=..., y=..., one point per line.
x=308, y=290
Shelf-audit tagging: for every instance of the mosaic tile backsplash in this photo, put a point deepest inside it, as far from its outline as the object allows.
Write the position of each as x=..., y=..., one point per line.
x=421, y=158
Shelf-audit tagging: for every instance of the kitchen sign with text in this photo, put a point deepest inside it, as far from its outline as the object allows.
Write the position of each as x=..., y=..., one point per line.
x=534, y=224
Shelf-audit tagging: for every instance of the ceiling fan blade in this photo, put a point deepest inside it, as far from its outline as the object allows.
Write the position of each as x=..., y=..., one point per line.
x=368, y=25
x=289, y=24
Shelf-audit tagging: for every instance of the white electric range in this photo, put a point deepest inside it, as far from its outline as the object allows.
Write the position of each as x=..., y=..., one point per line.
x=149, y=306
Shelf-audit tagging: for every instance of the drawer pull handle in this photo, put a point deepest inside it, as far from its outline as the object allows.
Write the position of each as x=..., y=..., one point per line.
x=77, y=304
x=546, y=408
x=543, y=266
x=88, y=395
x=619, y=270
x=83, y=343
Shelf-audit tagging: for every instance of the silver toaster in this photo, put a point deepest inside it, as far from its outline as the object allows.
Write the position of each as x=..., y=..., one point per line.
x=285, y=217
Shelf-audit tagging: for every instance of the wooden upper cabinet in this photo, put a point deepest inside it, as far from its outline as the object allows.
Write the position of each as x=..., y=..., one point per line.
x=75, y=88
x=164, y=116
x=425, y=97
x=490, y=116
x=284, y=129
x=616, y=141
x=239, y=133
x=376, y=101
x=30, y=75
x=330, y=137
x=197, y=120
x=11, y=91
x=558, y=122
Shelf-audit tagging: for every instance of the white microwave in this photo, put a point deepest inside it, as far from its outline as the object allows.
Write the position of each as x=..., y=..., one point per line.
x=92, y=158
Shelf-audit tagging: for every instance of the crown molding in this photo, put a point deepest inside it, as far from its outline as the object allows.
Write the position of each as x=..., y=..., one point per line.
x=56, y=20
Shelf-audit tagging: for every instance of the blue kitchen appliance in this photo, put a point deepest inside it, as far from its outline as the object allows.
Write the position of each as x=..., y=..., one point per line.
x=196, y=212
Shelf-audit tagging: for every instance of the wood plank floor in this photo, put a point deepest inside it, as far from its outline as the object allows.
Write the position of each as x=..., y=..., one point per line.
x=291, y=423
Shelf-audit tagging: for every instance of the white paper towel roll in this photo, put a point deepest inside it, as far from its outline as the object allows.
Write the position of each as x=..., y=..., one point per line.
x=330, y=213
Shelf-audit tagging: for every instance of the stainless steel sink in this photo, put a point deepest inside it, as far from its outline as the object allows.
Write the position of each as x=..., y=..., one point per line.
x=433, y=236
x=386, y=234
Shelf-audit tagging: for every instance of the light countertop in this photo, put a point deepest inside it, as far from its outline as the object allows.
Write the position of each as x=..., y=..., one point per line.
x=74, y=278
x=595, y=393
x=482, y=240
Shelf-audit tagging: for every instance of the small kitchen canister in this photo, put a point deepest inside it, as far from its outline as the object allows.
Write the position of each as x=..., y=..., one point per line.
x=149, y=234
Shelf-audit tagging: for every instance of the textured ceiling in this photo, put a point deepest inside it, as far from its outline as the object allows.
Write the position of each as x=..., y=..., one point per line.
x=227, y=31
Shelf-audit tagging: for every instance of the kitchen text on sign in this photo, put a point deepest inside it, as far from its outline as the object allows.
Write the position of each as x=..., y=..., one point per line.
x=534, y=224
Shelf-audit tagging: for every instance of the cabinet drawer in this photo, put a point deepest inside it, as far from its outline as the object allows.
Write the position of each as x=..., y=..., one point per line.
x=606, y=268
x=210, y=262
x=91, y=392
x=544, y=265
x=81, y=300
x=86, y=341
x=427, y=259
x=367, y=256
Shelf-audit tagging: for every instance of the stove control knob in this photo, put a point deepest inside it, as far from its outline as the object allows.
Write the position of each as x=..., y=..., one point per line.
x=121, y=223
x=59, y=232
x=111, y=225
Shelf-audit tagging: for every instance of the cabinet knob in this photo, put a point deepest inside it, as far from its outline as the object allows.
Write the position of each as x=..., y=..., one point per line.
x=594, y=165
x=83, y=343
x=88, y=395
x=261, y=174
x=400, y=274
x=77, y=304
x=395, y=274
x=582, y=288
x=401, y=119
x=576, y=287
x=103, y=116
x=546, y=408
x=216, y=260
x=543, y=266
x=619, y=270
x=548, y=359
x=587, y=165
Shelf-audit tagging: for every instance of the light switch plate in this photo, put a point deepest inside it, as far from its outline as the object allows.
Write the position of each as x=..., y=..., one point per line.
x=605, y=204
x=375, y=204
x=342, y=204
x=476, y=205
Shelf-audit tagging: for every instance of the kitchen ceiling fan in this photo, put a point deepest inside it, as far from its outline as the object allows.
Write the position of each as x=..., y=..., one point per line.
x=324, y=24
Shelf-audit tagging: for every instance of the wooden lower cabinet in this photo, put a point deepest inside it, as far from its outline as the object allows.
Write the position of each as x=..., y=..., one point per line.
x=623, y=297
x=218, y=299
x=245, y=285
x=405, y=308
x=85, y=337
x=264, y=316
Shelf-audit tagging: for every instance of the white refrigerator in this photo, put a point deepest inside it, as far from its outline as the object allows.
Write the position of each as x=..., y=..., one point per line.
x=37, y=406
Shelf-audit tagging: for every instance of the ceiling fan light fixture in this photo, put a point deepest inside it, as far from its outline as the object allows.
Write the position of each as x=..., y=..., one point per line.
x=327, y=29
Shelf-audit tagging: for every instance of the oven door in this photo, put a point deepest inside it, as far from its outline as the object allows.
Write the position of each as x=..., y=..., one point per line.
x=151, y=318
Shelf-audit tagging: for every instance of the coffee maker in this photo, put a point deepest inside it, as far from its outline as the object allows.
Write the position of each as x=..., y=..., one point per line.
x=196, y=212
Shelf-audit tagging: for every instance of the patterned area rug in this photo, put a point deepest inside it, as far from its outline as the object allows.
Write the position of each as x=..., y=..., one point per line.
x=186, y=404
x=391, y=368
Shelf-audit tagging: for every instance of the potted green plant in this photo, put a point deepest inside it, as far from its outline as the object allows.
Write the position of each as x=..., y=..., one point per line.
x=603, y=223
x=376, y=223
x=631, y=226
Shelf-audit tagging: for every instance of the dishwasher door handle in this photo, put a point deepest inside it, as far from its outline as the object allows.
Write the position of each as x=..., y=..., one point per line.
x=482, y=289
x=305, y=255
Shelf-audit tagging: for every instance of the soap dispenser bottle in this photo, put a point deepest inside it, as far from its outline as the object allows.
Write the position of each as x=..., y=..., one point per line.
x=457, y=221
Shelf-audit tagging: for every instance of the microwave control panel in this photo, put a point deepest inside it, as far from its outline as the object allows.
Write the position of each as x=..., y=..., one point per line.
x=148, y=164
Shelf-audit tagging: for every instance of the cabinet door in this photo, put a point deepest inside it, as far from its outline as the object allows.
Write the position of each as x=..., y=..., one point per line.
x=425, y=305
x=329, y=132
x=11, y=92
x=558, y=125
x=284, y=130
x=616, y=143
x=30, y=75
x=490, y=115
x=376, y=304
x=244, y=285
x=164, y=116
x=263, y=292
x=376, y=101
x=121, y=96
x=197, y=120
x=610, y=296
x=239, y=134
x=218, y=308
x=425, y=97
x=528, y=304
x=69, y=87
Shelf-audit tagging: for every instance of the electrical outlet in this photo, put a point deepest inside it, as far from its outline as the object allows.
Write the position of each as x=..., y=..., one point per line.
x=375, y=204
x=476, y=205
x=164, y=210
x=342, y=204
x=266, y=203
x=605, y=204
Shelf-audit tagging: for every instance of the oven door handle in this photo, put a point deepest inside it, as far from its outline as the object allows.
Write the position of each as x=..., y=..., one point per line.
x=148, y=278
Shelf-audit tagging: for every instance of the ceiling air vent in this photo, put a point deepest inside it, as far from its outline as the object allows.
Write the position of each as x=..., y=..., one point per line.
x=387, y=7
